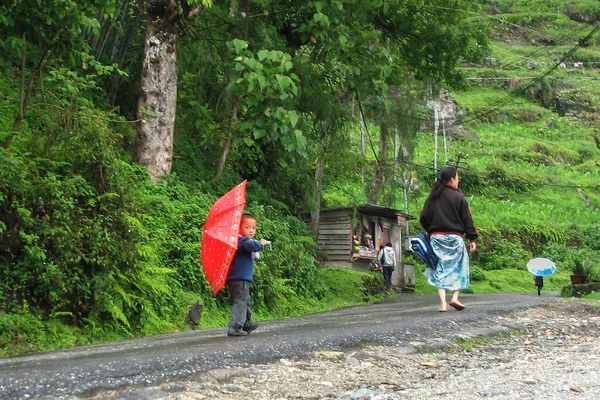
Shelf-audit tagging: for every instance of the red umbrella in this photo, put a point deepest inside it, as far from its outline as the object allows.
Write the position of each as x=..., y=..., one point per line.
x=220, y=236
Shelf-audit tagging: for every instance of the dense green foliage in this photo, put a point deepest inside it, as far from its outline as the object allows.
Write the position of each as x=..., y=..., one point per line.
x=90, y=250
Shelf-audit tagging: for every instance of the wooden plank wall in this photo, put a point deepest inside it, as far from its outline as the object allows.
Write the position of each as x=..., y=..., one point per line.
x=335, y=235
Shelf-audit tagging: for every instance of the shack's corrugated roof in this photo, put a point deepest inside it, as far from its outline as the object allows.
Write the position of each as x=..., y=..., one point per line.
x=373, y=209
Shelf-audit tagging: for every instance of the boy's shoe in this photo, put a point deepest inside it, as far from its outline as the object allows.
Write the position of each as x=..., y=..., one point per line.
x=236, y=332
x=250, y=326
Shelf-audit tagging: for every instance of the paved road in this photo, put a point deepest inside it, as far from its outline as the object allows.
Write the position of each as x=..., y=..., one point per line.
x=151, y=360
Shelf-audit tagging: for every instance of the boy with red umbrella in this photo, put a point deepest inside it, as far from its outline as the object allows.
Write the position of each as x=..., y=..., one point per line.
x=240, y=275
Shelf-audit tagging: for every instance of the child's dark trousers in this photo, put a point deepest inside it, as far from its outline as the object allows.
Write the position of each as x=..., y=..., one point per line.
x=240, y=303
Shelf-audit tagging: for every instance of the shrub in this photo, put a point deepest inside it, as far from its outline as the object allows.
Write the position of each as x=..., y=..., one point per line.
x=72, y=240
x=591, y=236
x=579, y=268
x=372, y=284
x=20, y=332
x=477, y=274
x=504, y=255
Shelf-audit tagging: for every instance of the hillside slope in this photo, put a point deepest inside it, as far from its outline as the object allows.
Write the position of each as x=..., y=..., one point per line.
x=532, y=179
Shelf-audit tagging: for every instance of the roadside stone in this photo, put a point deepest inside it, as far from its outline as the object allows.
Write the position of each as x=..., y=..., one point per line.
x=363, y=393
x=437, y=344
x=173, y=388
x=330, y=355
x=150, y=393
x=227, y=374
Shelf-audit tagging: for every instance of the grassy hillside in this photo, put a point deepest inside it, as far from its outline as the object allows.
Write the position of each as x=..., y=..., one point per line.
x=532, y=178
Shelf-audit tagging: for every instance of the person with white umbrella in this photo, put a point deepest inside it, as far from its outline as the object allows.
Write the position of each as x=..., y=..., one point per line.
x=540, y=267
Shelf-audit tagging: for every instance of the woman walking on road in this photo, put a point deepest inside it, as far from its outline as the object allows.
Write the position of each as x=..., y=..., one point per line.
x=446, y=218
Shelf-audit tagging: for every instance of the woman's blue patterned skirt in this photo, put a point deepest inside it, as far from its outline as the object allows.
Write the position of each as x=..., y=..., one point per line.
x=452, y=272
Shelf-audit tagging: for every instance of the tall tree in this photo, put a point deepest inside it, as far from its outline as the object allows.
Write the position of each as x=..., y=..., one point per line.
x=243, y=15
x=157, y=99
x=375, y=46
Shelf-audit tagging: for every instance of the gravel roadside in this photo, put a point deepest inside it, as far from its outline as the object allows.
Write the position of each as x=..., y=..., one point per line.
x=541, y=353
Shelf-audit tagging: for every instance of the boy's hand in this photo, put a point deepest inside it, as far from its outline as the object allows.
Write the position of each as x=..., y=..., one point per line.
x=264, y=242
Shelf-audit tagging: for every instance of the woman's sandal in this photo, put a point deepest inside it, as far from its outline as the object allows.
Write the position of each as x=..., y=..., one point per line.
x=457, y=305
x=442, y=309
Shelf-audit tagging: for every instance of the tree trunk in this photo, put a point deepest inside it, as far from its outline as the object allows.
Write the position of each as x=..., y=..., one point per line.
x=314, y=217
x=25, y=95
x=158, y=91
x=435, y=137
x=232, y=126
x=22, y=93
x=227, y=146
x=406, y=178
x=380, y=173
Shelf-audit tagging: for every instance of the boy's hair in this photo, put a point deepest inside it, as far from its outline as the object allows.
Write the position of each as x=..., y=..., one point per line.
x=246, y=216
x=389, y=244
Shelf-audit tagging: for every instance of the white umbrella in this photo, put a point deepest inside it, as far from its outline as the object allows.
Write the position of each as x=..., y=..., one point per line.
x=541, y=266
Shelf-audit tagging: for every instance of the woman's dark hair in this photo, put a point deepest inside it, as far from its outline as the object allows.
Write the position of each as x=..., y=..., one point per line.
x=446, y=174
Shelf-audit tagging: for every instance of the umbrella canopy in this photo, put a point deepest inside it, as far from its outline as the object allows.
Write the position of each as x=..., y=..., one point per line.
x=220, y=236
x=541, y=267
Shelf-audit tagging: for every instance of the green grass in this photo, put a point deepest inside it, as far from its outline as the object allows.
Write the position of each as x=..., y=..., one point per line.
x=345, y=288
x=511, y=280
x=542, y=171
x=467, y=344
x=593, y=299
x=478, y=98
x=26, y=333
x=506, y=280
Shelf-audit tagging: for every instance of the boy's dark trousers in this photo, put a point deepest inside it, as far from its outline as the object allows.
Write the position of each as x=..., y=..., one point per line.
x=240, y=303
x=387, y=276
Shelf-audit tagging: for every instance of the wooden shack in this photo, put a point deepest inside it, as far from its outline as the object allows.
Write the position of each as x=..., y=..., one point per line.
x=350, y=238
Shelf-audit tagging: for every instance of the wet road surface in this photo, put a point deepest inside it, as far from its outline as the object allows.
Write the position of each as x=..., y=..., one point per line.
x=151, y=360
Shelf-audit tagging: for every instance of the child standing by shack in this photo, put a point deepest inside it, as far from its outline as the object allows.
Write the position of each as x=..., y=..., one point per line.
x=239, y=277
x=388, y=260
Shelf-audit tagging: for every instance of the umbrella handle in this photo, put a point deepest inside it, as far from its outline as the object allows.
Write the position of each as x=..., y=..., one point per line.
x=269, y=245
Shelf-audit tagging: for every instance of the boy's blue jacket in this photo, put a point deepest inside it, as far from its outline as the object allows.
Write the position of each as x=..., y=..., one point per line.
x=242, y=266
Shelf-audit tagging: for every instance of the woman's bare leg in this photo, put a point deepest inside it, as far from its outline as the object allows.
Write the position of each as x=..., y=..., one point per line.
x=454, y=301
x=455, y=296
x=443, y=304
